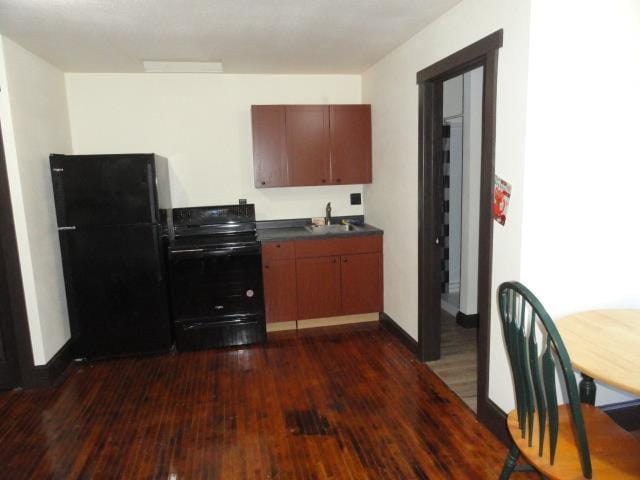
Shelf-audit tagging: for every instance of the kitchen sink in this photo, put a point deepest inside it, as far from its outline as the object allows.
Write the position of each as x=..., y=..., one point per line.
x=324, y=229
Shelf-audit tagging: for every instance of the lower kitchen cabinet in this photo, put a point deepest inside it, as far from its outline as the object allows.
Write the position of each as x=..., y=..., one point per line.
x=361, y=281
x=310, y=279
x=279, y=278
x=318, y=287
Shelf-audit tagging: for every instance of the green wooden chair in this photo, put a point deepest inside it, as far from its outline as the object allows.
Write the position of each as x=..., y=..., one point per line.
x=552, y=437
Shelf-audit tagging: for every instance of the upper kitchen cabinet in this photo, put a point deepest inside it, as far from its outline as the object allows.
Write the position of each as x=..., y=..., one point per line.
x=269, y=146
x=350, y=143
x=311, y=145
x=307, y=132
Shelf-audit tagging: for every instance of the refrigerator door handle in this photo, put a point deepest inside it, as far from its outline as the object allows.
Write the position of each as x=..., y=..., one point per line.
x=61, y=229
x=153, y=198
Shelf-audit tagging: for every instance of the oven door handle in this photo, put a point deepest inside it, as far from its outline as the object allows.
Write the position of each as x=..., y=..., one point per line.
x=203, y=252
x=188, y=250
x=233, y=250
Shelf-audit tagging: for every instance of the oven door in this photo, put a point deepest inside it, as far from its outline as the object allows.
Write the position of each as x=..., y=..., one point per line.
x=216, y=285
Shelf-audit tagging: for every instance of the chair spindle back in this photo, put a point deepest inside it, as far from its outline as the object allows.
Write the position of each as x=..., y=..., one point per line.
x=534, y=375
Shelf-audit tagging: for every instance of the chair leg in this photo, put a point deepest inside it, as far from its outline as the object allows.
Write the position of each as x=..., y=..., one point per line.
x=510, y=462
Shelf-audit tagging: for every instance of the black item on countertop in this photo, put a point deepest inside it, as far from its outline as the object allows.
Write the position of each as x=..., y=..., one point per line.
x=109, y=223
x=216, y=277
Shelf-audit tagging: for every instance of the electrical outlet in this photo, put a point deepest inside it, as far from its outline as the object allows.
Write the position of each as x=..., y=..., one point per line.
x=356, y=199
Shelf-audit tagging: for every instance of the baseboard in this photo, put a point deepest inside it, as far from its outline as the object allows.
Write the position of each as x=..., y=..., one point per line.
x=339, y=320
x=450, y=309
x=281, y=326
x=53, y=373
x=322, y=322
x=406, y=339
x=625, y=414
x=467, y=321
x=492, y=417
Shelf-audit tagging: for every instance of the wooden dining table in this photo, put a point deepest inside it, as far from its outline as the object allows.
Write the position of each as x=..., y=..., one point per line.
x=603, y=345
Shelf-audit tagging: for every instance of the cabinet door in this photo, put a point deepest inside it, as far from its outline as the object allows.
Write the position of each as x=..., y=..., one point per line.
x=269, y=146
x=361, y=283
x=307, y=132
x=350, y=143
x=318, y=282
x=279, y=279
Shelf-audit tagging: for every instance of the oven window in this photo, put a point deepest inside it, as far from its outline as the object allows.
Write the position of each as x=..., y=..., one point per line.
x=216, y=287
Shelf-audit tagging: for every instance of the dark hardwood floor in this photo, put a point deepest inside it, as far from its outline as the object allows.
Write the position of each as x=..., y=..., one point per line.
x=342, y=402
x=458, y=364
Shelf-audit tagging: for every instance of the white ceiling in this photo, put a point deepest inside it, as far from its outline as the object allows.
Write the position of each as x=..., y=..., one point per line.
x=248, y=36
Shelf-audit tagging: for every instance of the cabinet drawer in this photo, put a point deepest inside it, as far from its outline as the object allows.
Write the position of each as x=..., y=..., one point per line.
x=338, y=246
x=278, y=251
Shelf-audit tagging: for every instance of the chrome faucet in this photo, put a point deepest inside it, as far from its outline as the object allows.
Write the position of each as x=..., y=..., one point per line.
x=327, y=218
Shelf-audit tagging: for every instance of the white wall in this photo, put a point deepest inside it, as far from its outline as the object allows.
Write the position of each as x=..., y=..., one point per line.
x=471, y=155
x=391, y=201
x=202, y=124
x=452, y=97
x=581, y=230
x=33, y=112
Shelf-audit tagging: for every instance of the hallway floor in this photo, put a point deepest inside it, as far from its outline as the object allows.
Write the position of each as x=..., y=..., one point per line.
x=458, y=361
x=341, y=402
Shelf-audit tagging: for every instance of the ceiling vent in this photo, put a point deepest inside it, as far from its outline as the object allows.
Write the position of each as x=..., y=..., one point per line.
x=182, y=67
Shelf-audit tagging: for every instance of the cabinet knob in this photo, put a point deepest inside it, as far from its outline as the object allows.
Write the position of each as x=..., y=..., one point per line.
x=263, y=183
x=338, y=180
x=278, y=246
x=344, y=260
x=324, y=180
x=266, y=266
x=334, y=260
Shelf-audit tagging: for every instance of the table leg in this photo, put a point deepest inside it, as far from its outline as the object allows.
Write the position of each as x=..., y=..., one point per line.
x=587, y=390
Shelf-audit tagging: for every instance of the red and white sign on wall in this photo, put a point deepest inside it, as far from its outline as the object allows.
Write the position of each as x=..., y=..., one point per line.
x=501, y=196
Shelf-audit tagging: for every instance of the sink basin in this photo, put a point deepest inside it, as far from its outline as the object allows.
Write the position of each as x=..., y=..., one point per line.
x=323, y=229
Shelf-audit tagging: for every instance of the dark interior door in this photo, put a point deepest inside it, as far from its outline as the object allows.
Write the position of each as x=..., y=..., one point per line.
x=8, y=360
x=104, y=189
x=8, y=352
x=116, y=289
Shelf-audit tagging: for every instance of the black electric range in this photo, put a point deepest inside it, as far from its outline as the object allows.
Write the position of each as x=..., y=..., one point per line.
x=215, y=277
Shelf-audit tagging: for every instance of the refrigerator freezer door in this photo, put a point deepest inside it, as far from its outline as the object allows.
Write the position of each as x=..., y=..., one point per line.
x=104, y=189
x=117, y=290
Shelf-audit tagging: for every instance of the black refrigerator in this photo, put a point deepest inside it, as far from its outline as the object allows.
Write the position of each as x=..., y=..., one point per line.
x=108, y=209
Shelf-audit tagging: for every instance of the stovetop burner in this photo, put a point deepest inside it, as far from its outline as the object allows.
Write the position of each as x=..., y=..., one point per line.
x=213, y=241
x=213, y=226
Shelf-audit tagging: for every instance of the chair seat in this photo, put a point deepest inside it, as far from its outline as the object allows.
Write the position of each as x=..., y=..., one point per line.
x=615, y=453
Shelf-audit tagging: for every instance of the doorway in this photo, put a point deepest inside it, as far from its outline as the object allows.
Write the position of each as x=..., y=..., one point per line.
x=461, y=154
x=12, y=308
x=431, y=197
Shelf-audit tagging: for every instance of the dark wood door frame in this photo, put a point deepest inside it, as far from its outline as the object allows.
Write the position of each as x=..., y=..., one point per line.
x=14, y=319
x=483, y=53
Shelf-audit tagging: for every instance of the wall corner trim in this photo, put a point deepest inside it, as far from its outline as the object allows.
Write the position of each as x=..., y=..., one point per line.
x=407, y=340
x=495, y=419
x=468, y=321
x=54, y=372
